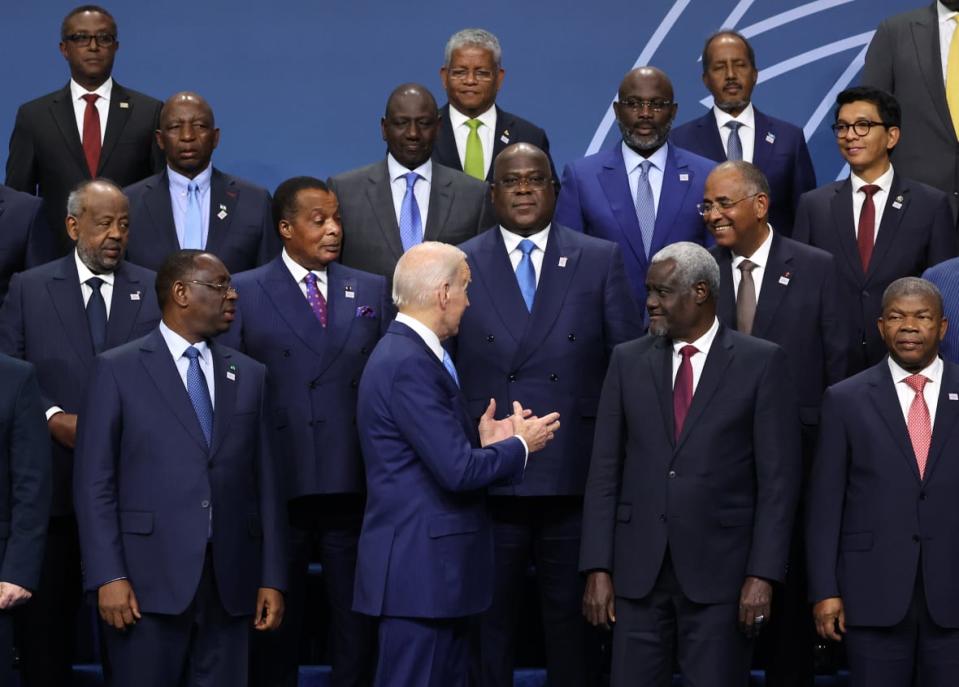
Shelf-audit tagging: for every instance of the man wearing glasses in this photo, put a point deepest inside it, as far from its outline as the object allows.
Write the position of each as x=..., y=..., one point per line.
x=642, y=193
x=879, y=225
x=72, y=134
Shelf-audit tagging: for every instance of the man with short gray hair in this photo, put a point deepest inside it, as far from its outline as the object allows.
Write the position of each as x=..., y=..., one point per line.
x=692, y=487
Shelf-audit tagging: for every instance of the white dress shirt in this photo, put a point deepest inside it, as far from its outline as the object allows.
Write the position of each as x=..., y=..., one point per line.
x=698, y=359
x=177, y=345
x=656, y=171
x=536, y=256
x=102, y=104
x=747, y=132
x=930, y=392
x=884, y=183
x=179, y=186
x=760, y=258
x=485, y=131
x=947, y=28
x=299, y=275
x=421, y=191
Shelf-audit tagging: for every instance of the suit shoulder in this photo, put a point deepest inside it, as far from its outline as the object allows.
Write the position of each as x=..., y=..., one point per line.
x=15, y=370
x=19, y=198
x=823, y=193
x=904, y=19
x=141, y=98
x=691, y=159
x=928, y=193
x=443, y=174
x=638, y=347
x=589, y=244
x=684, y=132
x=594, y=161
x=139, y=273
x=806, y=253
x=42, y=101
x=243, y=184
x=752, y=345
x=948, y=269
x=240, y=359
x=781, y=125
x=140, y=187
x=251, y=275
x=43, y=272
x=361, y=276
x=355, y=176
x=522, y=123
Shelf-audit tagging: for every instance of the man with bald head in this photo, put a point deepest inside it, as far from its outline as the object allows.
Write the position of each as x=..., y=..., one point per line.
x=389, y=206
x=641, y=193
x=59, y=316
x=191, y=204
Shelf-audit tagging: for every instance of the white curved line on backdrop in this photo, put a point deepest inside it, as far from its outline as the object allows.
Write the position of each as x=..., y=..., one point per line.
x=790, y=16
x=830, y=98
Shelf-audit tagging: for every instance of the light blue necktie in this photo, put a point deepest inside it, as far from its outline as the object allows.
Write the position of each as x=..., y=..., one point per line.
x=411, y=226
x=450, y=367
x=734, y=146
x=525, y=274
x=199, y=393
x=193, y=225
x=645, y=206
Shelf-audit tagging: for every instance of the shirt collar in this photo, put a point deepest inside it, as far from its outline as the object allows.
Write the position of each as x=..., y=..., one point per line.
x=177, y=344
x=884, y=182
x=104, y=90
x=747, y=117
x=703, y=343
x=179, y=183
x=298, y=271
x=85, y=272
x=398, y=171
x=634, y=159
x=458, y=119
x=933, y=372
x=760, y=256
x=428, y=335
x=512, y=240
x=944, y=13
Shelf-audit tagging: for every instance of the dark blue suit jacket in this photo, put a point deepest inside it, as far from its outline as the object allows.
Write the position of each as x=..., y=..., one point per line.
x=553, y=359
x=25, y=239
x=43, y=321
x=145, y=481
x=313, y=371
x=779, y=151
x=243, y=238
x=25, y=479
x=869, y=515
x=912, y=237
x=426, y=548
x=595, y=199
x=722, y=497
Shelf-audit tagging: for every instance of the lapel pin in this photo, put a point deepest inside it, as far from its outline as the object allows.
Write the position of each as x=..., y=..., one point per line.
x=953, y=397
x=135, y=296
x=563, y=261
x=897, y=203
x=684, y=177
x=770, y=137
x=505, y=137
x=231, y=373
x=222, y=213
x=124, y=105
x=784, y=279
x=348, y=291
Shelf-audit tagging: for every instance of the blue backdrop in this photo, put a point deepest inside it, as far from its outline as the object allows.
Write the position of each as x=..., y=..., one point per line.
x=298, y=86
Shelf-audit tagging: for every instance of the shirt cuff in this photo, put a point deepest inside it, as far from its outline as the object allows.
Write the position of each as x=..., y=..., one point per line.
x=53, y=410
x=525, y=451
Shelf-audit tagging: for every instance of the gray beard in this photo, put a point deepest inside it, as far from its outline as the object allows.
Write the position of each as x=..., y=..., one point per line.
x=644, y=143
x=729, y=106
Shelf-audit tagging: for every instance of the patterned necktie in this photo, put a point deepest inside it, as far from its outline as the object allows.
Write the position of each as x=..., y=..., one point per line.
x=193, y=224
x=952, y=76
x=97, y=315
x=450, y=367
x=91, y=134
x=734, y=146
x=199, y=393
x=411, y=226
x=526, y=274
x=315, y=298
x=865, y=237
x=746, y=298
x=473, y=162
x=645, y=205
x=919, y=422
x=683, y=388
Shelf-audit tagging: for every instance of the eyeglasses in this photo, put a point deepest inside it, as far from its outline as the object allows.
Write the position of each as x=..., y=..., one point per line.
x=223, y=289
x=638, y=105
x=460, y=74
x=861, y=128
x=103, y=39
x=722, y=204
x=537, y=182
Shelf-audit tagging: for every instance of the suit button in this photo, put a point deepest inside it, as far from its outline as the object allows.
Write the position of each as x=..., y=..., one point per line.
x=204, y=503
x=922, y=496
x=354, y=383
x=490, y=338
x=915, y=538
x=312, y=385
x=286, y=353
x=671, y=474
x=571, y=337
x=662, y=517
x=512, y=377
x=554, y=377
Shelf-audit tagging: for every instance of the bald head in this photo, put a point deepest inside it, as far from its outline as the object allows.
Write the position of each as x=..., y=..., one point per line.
x=415, y=91
x=645, y=109
x=410, y=124
x=526, y=152
x=651, y=76
x=187, y=134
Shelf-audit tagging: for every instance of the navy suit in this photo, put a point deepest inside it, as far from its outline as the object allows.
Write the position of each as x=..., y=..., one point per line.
x=426, y=548
x=25, y=239
x=314, y=372
x=242, y=233
x=916, y=235
x=879, y=536
x=596, y=199
x=553, y=359
x=702, y=512
x=779, y=151
x=145, y=481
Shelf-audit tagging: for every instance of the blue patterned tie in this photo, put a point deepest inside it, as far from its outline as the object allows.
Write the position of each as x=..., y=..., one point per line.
x=450, y=367
x=411, y=226
x=645, y=206
x=199, y=393
x=525, y=274
x=97, y=314
x=193, y=226
x=734, y=146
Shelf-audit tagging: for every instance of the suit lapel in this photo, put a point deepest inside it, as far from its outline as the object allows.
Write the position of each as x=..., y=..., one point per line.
x=707, y=134
x=661, y=370
x=501, y=136
x=925, y=36
x=341, y=312
x=64, y=290
x=223, y=199
x=845, y=223
x=445, y=145
x=947, y=417
x=889, y=226
x=495, y=271
x=717, y=360
x=66, y=119
x=160, y=209
x=772, y=291
x=118, y=114
x=291, y=305
x=677, y=180
x=762, y=147
x=886, y=401
x=380, y=197
x=441, y=202
x=224, y=389
x=726, y=307
x=614, y=181
x=125, y=304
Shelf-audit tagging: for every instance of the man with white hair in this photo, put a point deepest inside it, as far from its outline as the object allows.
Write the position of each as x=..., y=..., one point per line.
x=425, y=561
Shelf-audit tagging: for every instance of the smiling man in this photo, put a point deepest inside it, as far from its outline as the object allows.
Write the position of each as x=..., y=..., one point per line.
x=882, y=508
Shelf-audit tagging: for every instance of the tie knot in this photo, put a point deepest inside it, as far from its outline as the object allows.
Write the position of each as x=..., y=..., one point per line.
x=527, y=246
x=473, y=124
x=192, y=352
x=747, y=266
x=733, y=125
x=310, y=279
x=95, y=283
x=411, y=179
x=91, y=98
x=869, y=189
x=688, y=351
x=644, y=167
x=916, y=382
x=192, y=187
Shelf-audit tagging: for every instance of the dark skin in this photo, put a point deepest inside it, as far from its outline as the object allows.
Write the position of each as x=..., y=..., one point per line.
x=741, y=228
x=187, y=134
x=313, y=236
x=643, y=129
x=465, y=89
x=410, y=125
x=522, y=209
x=90, y=65
x=728, y=74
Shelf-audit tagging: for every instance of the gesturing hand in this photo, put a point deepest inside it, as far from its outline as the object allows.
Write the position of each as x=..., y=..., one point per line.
x=536, y=431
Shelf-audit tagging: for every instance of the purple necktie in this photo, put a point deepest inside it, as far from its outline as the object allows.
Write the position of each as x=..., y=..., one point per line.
x=315, y=298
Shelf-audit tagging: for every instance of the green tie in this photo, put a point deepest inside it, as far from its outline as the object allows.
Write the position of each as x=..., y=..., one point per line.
x=474, y=151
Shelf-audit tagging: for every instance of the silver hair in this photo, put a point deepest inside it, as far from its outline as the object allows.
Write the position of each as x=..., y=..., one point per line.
x=75, y=206
x=752, y=177
x=473, y=38
x=423, y=270
x=693, y=264
x=911, y=286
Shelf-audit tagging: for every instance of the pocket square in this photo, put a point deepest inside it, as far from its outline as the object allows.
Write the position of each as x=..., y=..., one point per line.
x=365, y=311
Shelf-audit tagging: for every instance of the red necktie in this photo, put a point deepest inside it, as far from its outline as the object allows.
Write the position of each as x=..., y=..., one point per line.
x=683, y=389
x=91, y=134
x=867, y=226
x=919, y=422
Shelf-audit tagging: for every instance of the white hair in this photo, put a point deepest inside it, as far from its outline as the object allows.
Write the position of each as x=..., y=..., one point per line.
x=473, y=38
x=693, y=264
x=423, y=270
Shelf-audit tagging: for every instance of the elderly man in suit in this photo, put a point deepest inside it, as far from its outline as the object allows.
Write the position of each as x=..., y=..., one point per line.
x=474, y=130
x=75, y=133
x=547, y=306
x=878, y=224
x=425, y=562
x=882, y=515
x=735, y=130
x=692, y=486
x=24, y=495
x=394, y=204
x=314, y=322
x=59, y=316
x=178, y=506
x=642, y=193
x=25, y=239
x=191, y=204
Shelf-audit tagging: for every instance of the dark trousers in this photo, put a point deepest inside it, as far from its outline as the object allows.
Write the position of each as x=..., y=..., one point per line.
x=45, y=626
x=546, y=531
x=202, y=647
x=6, y=648
x=649, y=631
x=329, y=524
x=419, y=652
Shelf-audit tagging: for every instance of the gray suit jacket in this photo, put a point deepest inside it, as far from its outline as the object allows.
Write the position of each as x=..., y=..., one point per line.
x=904, y=59
x=458, y=211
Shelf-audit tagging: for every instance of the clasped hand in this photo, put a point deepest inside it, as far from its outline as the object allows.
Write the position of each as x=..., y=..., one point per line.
x=535, y=431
